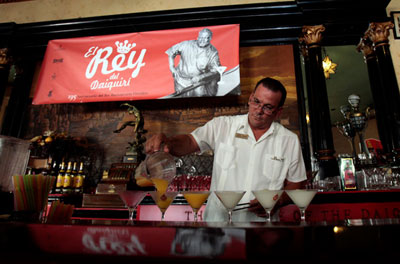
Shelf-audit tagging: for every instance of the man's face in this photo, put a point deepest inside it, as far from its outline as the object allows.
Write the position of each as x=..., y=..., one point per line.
x=263, y=107
x=203, y=40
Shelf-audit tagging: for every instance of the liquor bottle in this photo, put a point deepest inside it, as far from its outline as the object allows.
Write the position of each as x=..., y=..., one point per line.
x=74, y=172
x=60, y=178
x=67, y=179
x=78, y=180
x=53, y=173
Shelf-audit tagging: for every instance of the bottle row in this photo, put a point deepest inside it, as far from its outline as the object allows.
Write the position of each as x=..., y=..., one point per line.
x=70, y=178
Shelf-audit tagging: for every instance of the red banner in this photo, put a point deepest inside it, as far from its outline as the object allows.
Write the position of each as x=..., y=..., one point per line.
x=190, y=62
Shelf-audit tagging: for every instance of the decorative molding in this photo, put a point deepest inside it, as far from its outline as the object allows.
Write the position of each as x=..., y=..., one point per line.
x=4, y=59
x=366, y=47
x=379, y=32
x=312, y=35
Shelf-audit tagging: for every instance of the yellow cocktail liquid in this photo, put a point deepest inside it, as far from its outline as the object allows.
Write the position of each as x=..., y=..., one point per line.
x=163, y=202
x=196, y=200
x=161, y=185
x=143, y=182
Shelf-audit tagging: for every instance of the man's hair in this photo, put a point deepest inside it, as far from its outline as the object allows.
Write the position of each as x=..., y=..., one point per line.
x=209, y=32
x=273, y=85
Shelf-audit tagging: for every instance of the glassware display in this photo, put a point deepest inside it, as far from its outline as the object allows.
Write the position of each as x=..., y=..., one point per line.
x=163, y=200
x=229, y=199
x=132, y=199
x=268, y=199
x=302, y=198
x=196, y=199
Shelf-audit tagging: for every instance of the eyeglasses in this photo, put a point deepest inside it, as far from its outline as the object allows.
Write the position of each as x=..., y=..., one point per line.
x=267, y=108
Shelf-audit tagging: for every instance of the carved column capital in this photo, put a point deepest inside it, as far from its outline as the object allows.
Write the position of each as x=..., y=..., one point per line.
x=312, y=35
x=4, y=59
x=379, y=32
x=366, y=47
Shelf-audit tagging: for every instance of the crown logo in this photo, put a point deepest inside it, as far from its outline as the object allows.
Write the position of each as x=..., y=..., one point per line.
x=124, y=47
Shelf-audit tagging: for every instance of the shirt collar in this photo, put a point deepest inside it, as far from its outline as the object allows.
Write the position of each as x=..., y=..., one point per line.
x=244, y=128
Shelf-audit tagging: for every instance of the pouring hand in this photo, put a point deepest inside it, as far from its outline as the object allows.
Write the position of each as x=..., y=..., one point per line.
x=158, y=142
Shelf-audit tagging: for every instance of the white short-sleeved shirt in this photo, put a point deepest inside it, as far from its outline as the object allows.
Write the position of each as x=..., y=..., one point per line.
x=242, y=163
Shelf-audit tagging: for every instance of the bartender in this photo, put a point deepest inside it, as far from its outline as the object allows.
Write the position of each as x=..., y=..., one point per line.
x=251, y=152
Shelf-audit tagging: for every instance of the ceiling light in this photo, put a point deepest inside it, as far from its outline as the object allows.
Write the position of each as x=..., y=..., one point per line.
x=328, y=66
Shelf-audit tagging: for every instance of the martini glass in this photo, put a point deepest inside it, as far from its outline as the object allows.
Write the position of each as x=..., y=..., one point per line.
x=229, y=199
x=302, y=198
x=163, y=200
x=268, y=198
x=221, y=70
x=132, y=199
x=196, y=199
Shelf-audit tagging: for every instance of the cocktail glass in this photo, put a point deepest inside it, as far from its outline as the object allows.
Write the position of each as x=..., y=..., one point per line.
x=221, y=70
x=196, y=199
x=163, y=200
x=132, y=199
x=267, y=199
x=229, y=199
x=302, y=198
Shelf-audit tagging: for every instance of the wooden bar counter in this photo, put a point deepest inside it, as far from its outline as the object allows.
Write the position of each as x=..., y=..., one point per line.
x=99, y=241
x=350, y=227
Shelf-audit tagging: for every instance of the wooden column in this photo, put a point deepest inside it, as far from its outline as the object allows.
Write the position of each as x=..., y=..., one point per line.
x=366, y=47
x=4, y=71
x=318, y=106
x=388, y=96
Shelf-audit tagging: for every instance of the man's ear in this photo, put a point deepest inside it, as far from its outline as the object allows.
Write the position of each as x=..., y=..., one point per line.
x=278, y=112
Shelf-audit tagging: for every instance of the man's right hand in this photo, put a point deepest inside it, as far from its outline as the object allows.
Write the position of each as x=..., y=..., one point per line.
x=156, y=143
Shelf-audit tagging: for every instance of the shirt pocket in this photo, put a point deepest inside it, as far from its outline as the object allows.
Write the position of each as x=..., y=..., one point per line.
x=274, y=167
x=225, y=156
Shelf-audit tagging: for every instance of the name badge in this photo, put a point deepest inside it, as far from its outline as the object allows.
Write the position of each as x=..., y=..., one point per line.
x=278, y=159
x=244, y=136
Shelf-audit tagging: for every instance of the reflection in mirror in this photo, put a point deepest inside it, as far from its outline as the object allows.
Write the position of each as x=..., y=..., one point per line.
x=351, y=77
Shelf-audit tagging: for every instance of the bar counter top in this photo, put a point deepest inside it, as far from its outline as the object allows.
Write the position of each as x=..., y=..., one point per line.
x=121, y=241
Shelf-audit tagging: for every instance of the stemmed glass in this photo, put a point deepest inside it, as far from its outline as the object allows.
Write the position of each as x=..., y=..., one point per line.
x=163, y=200
x=196, y=199
x=268, y=198
x=132, y=199
x=221, y=70
x=229, y=199
x=302, y=198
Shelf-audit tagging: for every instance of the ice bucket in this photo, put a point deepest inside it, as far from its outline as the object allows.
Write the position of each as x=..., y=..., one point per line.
x=14, y=157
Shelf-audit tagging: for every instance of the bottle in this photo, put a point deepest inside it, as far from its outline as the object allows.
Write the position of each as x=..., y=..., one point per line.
x=74, y=172
x=78, y=180
x=67, y=179
x=60, y=178
x=53, y=173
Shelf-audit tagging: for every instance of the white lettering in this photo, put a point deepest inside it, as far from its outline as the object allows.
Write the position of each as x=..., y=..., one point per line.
x=113, y=245
x=119, y=63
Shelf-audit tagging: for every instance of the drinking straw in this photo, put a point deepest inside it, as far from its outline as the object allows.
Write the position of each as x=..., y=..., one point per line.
x=29, y=191
x=18, y=194
x=35, y=179
x=20, y=181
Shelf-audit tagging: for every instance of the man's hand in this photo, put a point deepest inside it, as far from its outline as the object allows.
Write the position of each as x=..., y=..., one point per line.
x=156, y=143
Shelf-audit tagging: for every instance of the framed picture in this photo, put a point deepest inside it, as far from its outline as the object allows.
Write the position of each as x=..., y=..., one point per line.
x=348, y=174
x=396, y=19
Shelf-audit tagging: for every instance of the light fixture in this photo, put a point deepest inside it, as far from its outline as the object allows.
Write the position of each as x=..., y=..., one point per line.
x=328, y=66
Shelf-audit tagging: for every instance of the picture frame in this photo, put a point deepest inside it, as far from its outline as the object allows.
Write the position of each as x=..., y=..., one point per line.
x=348, y=174
x=396, y=21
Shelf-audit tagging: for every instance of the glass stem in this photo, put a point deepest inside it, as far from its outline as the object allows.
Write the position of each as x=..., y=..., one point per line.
x=268, y=215
x=195, y=215
x=162, y=216
x=230, y=216
x=131, y=213
x=303, y=214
